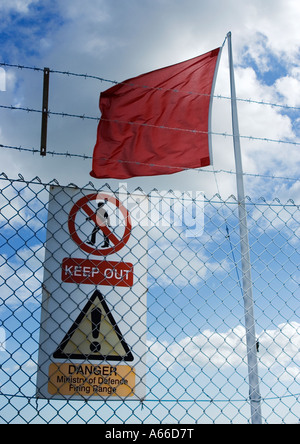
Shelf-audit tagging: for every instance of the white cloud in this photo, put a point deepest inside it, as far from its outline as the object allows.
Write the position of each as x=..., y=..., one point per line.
x=177, y=260
x=116, y=40
x=2, y=80
x=270, y=25
x=21, y=6
x=17, y=213
x=21, y=275
x=289, y=88
x=281, y=346
x=278, y=350
x=2, y=340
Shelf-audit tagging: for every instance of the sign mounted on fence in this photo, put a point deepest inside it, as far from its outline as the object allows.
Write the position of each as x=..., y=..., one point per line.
x=93, y=320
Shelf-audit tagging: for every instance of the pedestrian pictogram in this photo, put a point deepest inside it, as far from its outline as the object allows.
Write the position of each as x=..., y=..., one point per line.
x=94, y=335
x=100, y=218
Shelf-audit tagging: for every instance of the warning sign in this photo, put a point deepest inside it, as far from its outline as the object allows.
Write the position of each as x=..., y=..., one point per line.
x=101, y=219
x=94, y=335
x=94, y=298
x=91, y=380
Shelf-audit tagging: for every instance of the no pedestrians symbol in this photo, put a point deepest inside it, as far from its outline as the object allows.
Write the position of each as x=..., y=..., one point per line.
x=100, y=218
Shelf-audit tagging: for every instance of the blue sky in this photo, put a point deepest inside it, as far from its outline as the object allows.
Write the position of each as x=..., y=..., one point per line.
x=115, y=40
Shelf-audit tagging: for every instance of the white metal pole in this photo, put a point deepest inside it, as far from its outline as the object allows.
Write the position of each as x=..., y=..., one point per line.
x=254, y=393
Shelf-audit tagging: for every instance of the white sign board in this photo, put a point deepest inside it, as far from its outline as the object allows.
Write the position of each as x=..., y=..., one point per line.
x=93, y=322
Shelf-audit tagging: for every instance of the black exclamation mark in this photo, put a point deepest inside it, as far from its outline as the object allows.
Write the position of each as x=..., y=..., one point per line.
x=96, y=316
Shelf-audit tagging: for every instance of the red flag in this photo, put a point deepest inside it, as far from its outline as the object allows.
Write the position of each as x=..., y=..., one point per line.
x=156, y=123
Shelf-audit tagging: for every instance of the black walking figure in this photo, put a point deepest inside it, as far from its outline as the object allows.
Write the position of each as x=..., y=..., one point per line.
x=102, y=221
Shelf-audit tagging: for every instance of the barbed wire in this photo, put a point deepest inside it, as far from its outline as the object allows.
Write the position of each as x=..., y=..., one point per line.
x=53, y=113
x=94, y=118
x=163, y=127
x=52, y=153
x=201, y=170
x=115, y=82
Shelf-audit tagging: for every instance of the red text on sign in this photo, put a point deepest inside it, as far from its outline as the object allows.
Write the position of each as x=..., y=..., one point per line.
x=93, y=272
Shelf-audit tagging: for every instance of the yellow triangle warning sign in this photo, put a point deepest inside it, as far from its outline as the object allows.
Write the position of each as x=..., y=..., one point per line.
x=94, y=335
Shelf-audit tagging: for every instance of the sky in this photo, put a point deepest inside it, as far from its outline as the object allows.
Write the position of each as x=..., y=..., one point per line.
x=115, y=40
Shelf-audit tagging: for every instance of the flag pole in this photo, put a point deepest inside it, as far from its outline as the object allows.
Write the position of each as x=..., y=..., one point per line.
x=254, y=392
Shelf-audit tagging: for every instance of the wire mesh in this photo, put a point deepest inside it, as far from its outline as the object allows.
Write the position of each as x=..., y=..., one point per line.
x=196, y=347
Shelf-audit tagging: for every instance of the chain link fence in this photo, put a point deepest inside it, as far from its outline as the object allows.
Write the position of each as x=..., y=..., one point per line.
x=195, y=346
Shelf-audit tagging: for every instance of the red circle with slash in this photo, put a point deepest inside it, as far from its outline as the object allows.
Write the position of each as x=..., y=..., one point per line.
x=82, y=205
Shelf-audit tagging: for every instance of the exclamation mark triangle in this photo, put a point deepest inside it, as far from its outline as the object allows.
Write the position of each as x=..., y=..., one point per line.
x=94, y=335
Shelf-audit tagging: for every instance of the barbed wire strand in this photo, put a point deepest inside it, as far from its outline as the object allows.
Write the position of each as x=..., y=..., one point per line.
x=201, y=170
x=163, y=127
x=115, y=82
